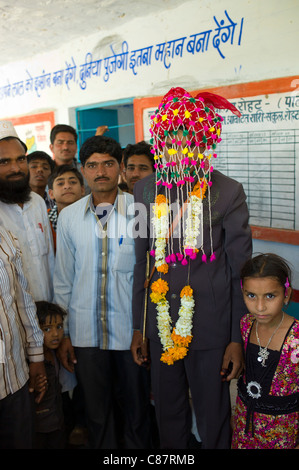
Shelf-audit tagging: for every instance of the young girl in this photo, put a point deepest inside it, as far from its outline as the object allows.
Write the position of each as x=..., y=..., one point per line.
x=267, y=405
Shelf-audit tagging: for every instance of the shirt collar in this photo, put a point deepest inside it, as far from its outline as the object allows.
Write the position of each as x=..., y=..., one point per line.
x=119, y=203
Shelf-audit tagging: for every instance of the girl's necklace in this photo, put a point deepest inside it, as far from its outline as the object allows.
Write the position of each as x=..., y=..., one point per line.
x=263, y=352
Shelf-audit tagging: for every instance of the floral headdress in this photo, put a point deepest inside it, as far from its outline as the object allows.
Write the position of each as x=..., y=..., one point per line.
x=185, y=131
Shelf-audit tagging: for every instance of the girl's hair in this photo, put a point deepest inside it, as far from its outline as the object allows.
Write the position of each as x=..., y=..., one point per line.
x=268, y=265
x=44, y=309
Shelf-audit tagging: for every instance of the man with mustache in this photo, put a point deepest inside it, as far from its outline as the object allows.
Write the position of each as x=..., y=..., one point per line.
x=93, y=282
x=138, y=163
x=63, y=140
x=24, y=213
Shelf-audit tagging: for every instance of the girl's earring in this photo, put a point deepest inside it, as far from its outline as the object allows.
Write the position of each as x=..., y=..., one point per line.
x=287, y=285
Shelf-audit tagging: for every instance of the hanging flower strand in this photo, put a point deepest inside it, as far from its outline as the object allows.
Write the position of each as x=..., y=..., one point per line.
x=160, y=223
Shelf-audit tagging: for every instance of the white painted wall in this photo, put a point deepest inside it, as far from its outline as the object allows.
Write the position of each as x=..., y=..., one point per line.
x=265, y=49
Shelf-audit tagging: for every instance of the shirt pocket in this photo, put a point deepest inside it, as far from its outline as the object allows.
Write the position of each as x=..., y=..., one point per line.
x=125, y=257
x=41, y=241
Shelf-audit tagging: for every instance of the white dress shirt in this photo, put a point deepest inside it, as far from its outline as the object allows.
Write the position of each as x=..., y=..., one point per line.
x=94, y=274
x=31, y=226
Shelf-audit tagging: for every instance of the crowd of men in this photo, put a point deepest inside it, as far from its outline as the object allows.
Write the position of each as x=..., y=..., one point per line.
x=64, y=239
x=34, y=189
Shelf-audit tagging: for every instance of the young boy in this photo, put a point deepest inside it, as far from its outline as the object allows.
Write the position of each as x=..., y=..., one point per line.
x=49, y=422
x=66, y=185
x=40, y=166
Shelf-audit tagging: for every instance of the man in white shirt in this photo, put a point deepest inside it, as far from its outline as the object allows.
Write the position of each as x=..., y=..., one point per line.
x=24, y=213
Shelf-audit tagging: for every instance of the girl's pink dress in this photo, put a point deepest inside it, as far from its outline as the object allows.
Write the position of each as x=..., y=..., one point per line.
x=267, y=405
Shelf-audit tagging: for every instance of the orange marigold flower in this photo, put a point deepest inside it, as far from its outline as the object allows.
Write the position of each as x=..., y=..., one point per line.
x=186, y=292
x=161, y=199
x=180, y=340
x=173, y=354
x=160, y=286
x=180, y=353
x=156, y=297
x=163, y=268
x=167, y=358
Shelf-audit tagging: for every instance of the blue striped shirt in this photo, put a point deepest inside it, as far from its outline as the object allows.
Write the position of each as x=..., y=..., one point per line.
x=21, y=338
x=93, y=274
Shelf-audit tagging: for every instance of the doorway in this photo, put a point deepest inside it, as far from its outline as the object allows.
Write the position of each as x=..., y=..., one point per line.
x=118, y=116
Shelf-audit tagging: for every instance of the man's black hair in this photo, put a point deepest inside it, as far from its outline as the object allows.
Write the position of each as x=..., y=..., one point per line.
x=40, y=155
x=61, y=170
x=62, y=128
x=141, y=148
x=100, y=144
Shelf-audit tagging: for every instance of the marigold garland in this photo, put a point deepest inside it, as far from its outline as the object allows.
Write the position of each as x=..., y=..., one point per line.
x=175, y=343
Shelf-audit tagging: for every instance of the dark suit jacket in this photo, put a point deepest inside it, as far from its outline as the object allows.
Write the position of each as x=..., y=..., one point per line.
x=219, y=304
